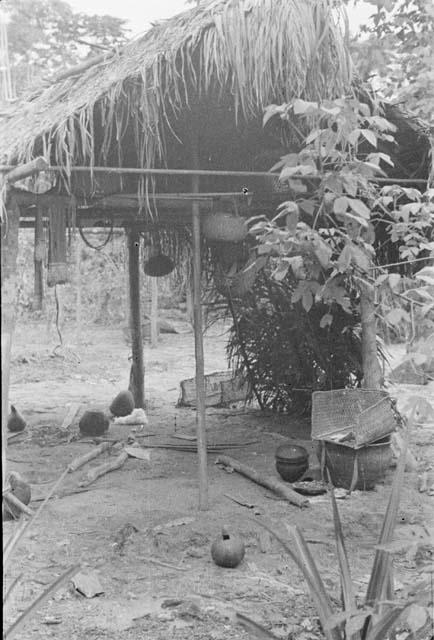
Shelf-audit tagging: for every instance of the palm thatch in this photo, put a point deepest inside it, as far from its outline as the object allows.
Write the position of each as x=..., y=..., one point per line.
x=255, y=51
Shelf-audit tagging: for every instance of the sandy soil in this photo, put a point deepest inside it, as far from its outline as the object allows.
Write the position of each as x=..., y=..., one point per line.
x=193, y=599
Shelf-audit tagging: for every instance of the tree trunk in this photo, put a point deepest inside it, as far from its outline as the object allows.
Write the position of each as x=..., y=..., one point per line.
x=9, y=286
x=372, y=376
x=154, y=313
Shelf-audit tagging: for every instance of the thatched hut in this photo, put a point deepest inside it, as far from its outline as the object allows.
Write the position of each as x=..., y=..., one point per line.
x=136, y=134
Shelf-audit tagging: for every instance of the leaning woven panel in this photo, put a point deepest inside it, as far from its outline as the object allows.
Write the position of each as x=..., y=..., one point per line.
x=364, y=414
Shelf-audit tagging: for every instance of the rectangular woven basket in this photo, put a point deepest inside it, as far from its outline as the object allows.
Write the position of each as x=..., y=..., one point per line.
x=351, y=417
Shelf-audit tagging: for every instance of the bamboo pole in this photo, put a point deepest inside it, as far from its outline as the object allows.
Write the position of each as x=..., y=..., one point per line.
x=16, y=173
x=154, y=313
x=208, y=172
x=9, y=289
x=137, y=377
x=198, y=343
x=39, y=254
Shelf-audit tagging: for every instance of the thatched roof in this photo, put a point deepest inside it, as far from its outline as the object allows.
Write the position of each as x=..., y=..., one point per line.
x=242, y=53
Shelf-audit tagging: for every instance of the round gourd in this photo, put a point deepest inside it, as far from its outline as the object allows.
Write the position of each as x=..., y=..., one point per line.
x=16, y=421
x=227, y=550
x=93, y=423
x=123, y=404
x=21, y=490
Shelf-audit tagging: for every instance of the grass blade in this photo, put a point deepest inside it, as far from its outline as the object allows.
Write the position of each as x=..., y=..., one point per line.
x=258, y=630
x=307, y=566
x=381, y=570
x=385, y=624
x=348, y=597
x=17, y=625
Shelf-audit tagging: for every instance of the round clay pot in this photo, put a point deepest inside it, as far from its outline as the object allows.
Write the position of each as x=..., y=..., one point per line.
x=292, y=461
x=93, y=423
x=123, y=404
x=227, y=550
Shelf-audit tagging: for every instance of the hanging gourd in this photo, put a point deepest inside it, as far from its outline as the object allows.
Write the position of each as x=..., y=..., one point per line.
x=57, y=259
x=224, y=226
x=227, y=550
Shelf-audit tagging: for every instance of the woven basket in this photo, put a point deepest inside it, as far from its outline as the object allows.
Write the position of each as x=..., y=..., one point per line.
x=351, y=468
x=224, y=227
x=353, y=416
x=226, y=253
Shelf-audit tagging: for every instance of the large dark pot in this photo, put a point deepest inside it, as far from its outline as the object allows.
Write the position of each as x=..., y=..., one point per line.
x=292, y=461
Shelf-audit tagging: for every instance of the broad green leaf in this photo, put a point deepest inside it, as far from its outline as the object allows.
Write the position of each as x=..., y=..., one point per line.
x=359, y=207
x=326, y=320
x=297, y=185
x=354, y=136
x=272, y=110
x=302, y=106
x=307, y=300
x=340, y=205
x=395, y=316
x=279, y=274
x=313, y=135
x=307, y=206
x=394, y=280
x=370, y=136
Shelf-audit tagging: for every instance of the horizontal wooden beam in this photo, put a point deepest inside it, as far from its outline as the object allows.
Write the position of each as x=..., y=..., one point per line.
x=26, y=170
x=208, y=172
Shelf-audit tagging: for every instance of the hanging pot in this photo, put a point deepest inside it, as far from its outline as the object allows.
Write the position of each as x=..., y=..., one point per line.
x=158, y=266
x=224, y=226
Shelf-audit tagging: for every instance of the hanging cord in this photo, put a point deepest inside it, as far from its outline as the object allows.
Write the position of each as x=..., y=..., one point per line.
x=104, y=243
x=66, y=352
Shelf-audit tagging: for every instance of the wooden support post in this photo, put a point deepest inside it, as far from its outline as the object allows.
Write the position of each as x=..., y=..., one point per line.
x=154, y=313
x=198, y=343
x=77, y=287
x=137, y=376
x=39, y=255
x=9, y=290
x=372, y=376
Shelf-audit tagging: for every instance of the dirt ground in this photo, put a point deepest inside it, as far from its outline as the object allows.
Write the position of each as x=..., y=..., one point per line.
x=186, y=596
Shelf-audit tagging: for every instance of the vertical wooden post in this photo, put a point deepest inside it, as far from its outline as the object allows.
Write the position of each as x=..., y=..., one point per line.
x=137, y=376
x=9, y=289
x=77, y=287
x=372, y=376
x=198, y=342
x=154, y=313
x=39, y=254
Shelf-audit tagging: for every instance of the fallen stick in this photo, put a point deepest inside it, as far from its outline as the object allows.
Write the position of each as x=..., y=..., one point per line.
x=15, y=502
x=164, y=564
x=282, y=490
x=112, y=465
x=90, y=455
x=70, y=415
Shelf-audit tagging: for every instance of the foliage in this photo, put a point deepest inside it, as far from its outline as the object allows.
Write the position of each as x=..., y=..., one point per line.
x=47, y=35
x=379, y=614
x=285, y=349
x=327, y=240
x=396, y=49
